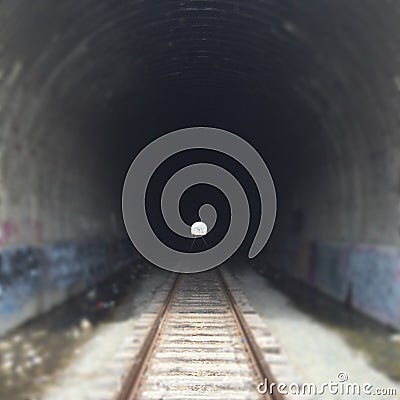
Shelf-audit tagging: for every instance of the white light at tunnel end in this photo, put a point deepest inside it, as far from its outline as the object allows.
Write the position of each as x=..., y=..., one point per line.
x=153, y=155
x=199, y=228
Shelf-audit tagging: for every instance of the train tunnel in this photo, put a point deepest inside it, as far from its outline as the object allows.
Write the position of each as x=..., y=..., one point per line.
x=312, y=85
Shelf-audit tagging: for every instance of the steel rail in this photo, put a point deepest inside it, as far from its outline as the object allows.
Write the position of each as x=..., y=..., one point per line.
x=131, y=384
x=254, y=351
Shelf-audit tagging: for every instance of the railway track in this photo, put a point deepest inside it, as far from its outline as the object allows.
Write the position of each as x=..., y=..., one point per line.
x=202, y=345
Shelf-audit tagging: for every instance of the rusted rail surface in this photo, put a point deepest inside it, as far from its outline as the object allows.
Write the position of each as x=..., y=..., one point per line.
x=256, y=354
x=129, y=390
x=199, y=347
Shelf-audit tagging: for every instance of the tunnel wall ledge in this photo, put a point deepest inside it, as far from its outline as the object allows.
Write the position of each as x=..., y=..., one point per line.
x=33, y=279
x=365, y=276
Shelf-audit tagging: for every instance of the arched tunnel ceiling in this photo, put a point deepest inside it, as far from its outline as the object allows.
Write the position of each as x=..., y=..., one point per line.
x=314, y=85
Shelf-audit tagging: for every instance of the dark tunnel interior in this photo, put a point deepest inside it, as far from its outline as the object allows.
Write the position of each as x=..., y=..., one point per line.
x=314, y=86
x=85, y=85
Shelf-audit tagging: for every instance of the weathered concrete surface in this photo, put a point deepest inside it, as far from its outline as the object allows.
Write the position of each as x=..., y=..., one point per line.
x=35, y=279
x=367, y=277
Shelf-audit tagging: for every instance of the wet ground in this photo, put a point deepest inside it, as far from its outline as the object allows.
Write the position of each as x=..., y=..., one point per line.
x=31, y=354
x=313, y=338
x=380, y=344
x=33, y=357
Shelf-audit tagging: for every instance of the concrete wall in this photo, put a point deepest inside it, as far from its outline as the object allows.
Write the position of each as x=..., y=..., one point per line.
x=35, y=279
x=367, y=276
x=60, y=224
x=313, y=85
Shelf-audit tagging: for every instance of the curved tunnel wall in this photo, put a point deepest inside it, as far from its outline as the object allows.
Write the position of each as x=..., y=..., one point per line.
x=314, y=85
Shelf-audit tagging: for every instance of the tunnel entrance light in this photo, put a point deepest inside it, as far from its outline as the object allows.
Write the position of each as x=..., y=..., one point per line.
x=198, y=229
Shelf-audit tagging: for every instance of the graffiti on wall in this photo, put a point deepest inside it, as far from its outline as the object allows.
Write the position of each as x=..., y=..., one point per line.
x=28, y=274
x=368, y=276
x=19, y=275
x=10, y=232
x=374, y=272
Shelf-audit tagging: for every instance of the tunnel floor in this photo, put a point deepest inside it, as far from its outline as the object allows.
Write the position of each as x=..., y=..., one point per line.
x=32, y=356
x=320, y=336
x=379, y=343
x=56, y=355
